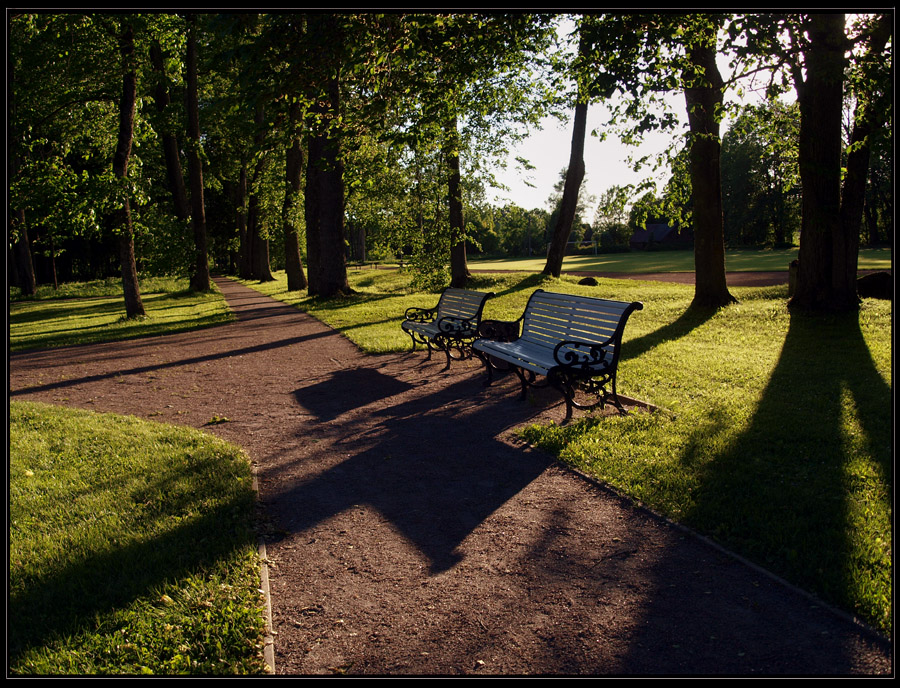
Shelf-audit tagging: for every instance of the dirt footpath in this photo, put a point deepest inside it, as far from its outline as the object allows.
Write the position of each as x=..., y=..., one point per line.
x=408, y=532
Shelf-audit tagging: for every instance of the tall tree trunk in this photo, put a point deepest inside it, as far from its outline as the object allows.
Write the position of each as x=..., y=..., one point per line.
x=820, y=96
x=24, y=265
x=245, y=260
x=459, y=269
x=312, y=211
x=200, y=276
x=296, y=278
x=326, y=258
x=259, y=245
x=703, y=96
x=569, y=204
x=134, y=307
x=168, y=139
x=869, y=117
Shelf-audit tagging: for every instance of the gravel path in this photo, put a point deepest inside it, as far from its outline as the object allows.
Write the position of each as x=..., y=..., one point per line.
x=409, y=532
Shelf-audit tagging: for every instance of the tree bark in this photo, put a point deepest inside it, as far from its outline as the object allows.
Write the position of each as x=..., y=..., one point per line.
x=258, y=244
x=820, y=96
x=459, y=269
x=245, y=259
x=168, y=139
x=134, y=307
x=200, y=275
x=296, y=278
x=704, y=100
x=24, y=265
x=326, y=257
x=869, y=117
x=569, y=204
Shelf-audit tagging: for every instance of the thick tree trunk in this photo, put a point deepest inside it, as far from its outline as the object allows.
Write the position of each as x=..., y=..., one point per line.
x=245, y=259
x=259, y=245
x=134, y=307
x=200, y=275
x=569, y=205
x=326, y=257
x=24, y=265
x=312, y=211
x=704, y=101
x=168, y=139
x=869, y=117
x=459, y=269
x=296, y=278
x=820, y=97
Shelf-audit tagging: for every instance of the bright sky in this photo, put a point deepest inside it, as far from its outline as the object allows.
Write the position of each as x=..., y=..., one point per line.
x=606, y=163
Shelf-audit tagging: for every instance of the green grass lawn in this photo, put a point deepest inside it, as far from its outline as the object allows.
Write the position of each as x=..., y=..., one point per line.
x=776, y=437
x=131, y=544
x=131, y=549
x=86, y=313
x=738, y=260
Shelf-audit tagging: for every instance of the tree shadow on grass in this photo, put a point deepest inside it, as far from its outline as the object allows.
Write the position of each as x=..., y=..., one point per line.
x=687, y=322
x=73, y=598
x=783, y=493
x=779, y=494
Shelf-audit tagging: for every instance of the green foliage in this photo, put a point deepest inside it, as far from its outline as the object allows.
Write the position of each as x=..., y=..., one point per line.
x=760, y=176
x=405, y=77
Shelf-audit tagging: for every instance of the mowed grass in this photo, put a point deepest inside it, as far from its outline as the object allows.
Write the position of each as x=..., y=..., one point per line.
x=131, y=549
x=86, y=313
x=775, y=438
x=737, y=260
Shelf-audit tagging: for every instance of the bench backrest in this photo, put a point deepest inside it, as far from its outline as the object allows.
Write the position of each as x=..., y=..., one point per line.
x=551, y=318
x=461, y=303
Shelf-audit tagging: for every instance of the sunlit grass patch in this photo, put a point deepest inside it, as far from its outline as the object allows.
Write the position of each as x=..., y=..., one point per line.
x=131, y=548
x=90, y=313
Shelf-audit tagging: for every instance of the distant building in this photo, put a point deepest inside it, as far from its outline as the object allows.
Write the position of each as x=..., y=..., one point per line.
x=662, y=235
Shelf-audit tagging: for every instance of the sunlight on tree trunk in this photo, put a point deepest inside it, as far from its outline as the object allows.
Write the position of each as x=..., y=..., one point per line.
x=134, y=307
x=569, y=203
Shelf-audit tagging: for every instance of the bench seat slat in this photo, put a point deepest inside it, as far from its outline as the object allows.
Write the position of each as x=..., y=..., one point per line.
x=452, y=324
x=550, y=321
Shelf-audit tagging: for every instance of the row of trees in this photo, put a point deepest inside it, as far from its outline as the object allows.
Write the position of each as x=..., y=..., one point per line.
x=822, y=57
x=380, y=131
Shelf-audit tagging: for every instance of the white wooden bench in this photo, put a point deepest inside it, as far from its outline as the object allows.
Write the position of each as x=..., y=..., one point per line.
x=451, y=326
x=573, y=341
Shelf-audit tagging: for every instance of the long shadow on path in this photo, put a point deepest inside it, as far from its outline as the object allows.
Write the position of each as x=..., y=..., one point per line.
x=434, y=466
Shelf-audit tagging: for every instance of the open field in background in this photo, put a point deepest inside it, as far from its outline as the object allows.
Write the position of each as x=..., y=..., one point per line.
x=737, y=260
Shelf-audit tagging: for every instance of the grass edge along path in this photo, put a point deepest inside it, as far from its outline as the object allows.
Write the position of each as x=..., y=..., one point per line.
x=778, y=439
x=131, y=548
x=92, y=312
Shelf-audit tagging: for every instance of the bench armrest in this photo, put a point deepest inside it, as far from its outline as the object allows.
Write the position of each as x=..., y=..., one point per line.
x=499, y=330
x=582, y=355
x=420, y=314
x=454, y=326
